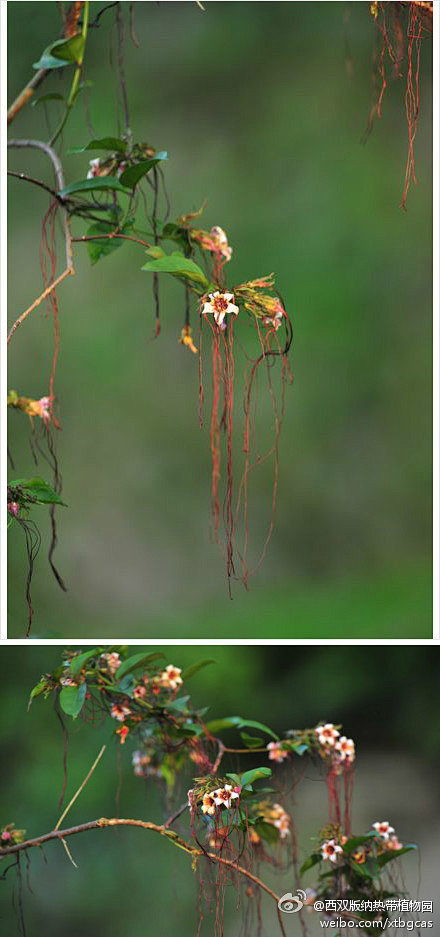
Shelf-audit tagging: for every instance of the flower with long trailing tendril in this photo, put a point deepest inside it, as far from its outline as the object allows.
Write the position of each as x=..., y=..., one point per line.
x=220, y=304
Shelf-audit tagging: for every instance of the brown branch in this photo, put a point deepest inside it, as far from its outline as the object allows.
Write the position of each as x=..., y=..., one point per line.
x=69, y=270
x=104, y=823
x=38, y=182
x=112, y=234
x=27, y=93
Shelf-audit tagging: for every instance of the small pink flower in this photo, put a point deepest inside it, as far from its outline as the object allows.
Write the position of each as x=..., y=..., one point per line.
x=139, y=692
x=6, y=836
x=43, y=408
x=276, y=753
x=13, y=508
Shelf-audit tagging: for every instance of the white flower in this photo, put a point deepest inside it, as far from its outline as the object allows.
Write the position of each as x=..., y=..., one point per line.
x=219, y=305
x=327, y=734
x=383, y=829
x=345, y=748
x=276, y=753
x=224, y=795
x=170, y=677
x=330, y=850
x=209, y=804
x=94, y=168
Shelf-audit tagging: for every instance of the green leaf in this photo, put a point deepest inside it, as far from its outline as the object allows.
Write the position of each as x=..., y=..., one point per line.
x=252, y=724
x=78, y=662
x=39, y=489
x=356, y=841
x=37, y=690
x=115, y=144
x=127, y=684
x=194, y=668
x=72, y=699
x=47, y=97
x=179, y=705
x=136, y=661
x=254, y=774
x=230, y=722
x=268, y=832
x=155, y=251
x=97, y=184
x=131, y=176
x=179, y=266
x=310, y=862
x=251, y=741
x=394, y=854
x=62, y=52
x=101, y=248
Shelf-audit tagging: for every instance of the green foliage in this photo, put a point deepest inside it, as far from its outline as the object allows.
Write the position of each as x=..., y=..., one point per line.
x=72, y=698
x=131, y=176
x=35, y=491
x=97, y=184
x=178, y=266
x=61, y=53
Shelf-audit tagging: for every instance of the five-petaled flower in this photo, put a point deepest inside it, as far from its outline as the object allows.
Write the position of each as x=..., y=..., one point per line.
x=276, y=753
x=327, y=734
x=170, y=677
x=208, y=804
x=345, y=748
x=220, y=304
x=383, y=829
x=330, y=850
x=139, y=692
x=225, y=795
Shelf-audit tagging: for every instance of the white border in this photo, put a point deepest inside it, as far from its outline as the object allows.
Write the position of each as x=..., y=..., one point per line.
x=436, y=397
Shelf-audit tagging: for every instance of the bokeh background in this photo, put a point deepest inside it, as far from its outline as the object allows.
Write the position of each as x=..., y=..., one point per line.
x=261, y=108
x=132, y=882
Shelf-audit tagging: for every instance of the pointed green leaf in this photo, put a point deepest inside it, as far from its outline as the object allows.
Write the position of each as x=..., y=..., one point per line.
x=254, y=774
x=131, y=176
x=194, y=668
x=179, y=266
x=136, y=661
x=115, y=144
x=97, y=184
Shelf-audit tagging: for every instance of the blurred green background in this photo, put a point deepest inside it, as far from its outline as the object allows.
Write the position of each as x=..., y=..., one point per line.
x=133, y=883
x=256, y=108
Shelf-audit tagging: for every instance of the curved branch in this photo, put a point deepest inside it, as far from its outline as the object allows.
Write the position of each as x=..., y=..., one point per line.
x=175, y=839
x=69, y=270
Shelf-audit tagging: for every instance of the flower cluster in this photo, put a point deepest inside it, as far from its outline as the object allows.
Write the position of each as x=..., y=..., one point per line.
x=211, y=801
x=106, y=167
x=334, y=746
